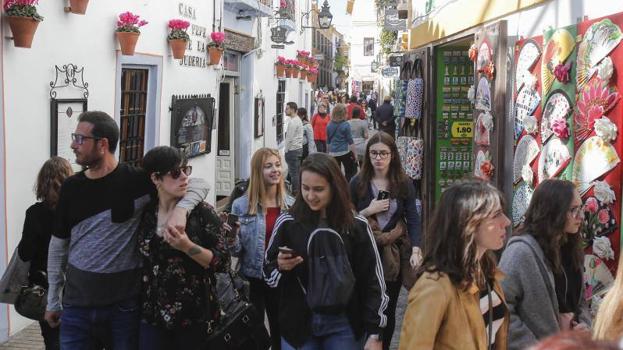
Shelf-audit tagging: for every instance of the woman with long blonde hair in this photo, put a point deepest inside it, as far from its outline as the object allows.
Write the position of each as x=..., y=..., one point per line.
x=609, y=321
x=257, y=211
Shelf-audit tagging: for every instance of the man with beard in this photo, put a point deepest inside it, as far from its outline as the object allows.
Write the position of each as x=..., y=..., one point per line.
x=93, y=252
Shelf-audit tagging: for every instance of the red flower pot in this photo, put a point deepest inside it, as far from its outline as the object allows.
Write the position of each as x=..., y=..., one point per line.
x=23, y=29
x=127, y=42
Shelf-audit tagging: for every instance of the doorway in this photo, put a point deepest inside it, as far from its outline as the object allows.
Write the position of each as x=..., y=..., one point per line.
x=225, y=156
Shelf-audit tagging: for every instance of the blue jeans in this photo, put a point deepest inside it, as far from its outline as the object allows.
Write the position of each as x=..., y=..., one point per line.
x=329, y=332
x=112, y=326
x=293, y=159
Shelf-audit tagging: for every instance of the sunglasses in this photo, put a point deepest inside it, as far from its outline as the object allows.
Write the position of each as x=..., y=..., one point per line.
x=177, y=172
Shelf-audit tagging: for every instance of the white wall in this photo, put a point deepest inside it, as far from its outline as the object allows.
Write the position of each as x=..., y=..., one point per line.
x=364, y=25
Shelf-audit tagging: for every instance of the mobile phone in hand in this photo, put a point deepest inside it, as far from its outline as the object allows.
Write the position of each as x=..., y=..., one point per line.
x=382, y=195
x=232, y=219
x=286, y=250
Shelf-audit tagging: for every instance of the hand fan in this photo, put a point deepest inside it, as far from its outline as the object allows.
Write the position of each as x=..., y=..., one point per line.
x=556, y=51
x=593, y=159
x=554, y=159
x=598, y=41
x=558, y=106
x=526, y=151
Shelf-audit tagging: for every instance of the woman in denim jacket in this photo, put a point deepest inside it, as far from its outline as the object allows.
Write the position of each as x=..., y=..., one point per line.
x=258, y=209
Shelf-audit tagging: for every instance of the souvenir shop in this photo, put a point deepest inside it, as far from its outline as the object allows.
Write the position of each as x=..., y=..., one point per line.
x=519, y=110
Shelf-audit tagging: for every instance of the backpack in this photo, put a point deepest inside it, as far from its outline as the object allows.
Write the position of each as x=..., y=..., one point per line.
x=330, y=277
x=240, y=187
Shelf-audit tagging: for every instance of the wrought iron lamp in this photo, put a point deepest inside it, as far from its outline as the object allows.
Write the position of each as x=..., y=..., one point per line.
x=324, y=17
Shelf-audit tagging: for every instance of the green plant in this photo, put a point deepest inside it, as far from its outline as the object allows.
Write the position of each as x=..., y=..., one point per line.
x=22, y=8
x=178, y=29
x=339, y=62
x=388, y=40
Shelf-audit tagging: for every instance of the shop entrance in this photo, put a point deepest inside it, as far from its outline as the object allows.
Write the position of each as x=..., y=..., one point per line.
x=225, y=156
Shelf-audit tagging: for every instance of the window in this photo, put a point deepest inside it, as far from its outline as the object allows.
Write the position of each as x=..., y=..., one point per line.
x=368, y=46
x=281, y=98
x=223, y=120
x=133, y=110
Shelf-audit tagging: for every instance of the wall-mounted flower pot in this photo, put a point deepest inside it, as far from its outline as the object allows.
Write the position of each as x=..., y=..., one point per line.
x=288, y=72
x=215, y=54
x=127, y=42
x=178, y=47
x=312, y=78
x=281, y=70
x=78, y=6
x=23, y=29
x=294, y=72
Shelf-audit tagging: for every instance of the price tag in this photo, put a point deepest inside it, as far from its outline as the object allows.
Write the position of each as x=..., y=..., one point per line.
x=462, y=130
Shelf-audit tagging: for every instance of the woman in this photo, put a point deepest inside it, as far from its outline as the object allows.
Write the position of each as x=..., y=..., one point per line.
x=309, y=146
x=340, y=141
x=37, y=231
x=543, y=267
x=178, y=283
x=367, y=113
x=359, y=130
x=609, y=319
x=319, y=124
x=324, y=203
x=457, y=301
x=258, y=210
x=382, y=174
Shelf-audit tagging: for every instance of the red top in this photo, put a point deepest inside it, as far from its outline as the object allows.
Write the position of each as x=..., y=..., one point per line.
x=349, y=110
x=271, y=217
x=320, y=126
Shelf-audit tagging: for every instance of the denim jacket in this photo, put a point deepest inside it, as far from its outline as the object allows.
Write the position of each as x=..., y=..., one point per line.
x=250, y=241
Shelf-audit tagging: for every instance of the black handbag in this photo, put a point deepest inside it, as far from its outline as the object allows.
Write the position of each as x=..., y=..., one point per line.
x=31, y=301
x=240, y=326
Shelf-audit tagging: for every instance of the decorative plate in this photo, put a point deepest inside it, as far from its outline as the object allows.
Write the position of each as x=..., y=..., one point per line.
x=484, y=125
x=521, y=201
x=528, y=55
x=527, y=101
x=593, y=159
x=556, y=52
x=526, y=151
x=598, y=41
x=553, y=160
x=484, y=55
x=558, y=106
x=483, y=95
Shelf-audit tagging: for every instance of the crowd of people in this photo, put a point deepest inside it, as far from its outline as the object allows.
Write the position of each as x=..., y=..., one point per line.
x=133, y=257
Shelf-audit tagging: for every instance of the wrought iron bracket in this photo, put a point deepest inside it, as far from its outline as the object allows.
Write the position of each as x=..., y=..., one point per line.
x=72, y=77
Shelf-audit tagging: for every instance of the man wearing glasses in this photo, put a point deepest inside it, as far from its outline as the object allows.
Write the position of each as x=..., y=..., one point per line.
x=93, y=255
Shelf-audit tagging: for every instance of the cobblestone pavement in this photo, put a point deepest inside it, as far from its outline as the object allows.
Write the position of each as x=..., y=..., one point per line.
x=28, y=339
x=400, y=311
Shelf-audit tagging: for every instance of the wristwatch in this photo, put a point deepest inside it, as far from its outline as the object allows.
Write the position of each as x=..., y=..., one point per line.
x=376, y=337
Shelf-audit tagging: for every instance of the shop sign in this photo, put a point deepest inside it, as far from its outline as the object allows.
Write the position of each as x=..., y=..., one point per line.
x=319, y=57
x=462, y=130
x=396, y=61
x=238, y=42
x=389, y=72
x=196, y=52
x=392, y=21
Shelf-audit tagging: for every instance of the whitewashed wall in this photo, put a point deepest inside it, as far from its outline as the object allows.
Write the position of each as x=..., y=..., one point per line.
x=364, y=25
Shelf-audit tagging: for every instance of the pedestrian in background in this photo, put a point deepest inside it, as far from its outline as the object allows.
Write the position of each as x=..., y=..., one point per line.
x=340, y=141
x=257, y=210
x=543, y=264
x=367, y=113
x=323, y=204
x=38, y=226
x=457, y=301
x=319, y=124
x=384, y=194
x=293, y=145
x=352, y=104
x=609, y=320
x=178, y=293
x=359, y=130
x=309, y=145
x=384, y=116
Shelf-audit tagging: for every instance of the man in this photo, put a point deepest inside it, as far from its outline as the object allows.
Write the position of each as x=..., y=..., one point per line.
x=294, y=145
x=351, y=105
x=93, y=252
x=384, y=116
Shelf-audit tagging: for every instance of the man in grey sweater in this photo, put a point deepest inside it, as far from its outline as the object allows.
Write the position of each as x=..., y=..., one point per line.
x=294, y=145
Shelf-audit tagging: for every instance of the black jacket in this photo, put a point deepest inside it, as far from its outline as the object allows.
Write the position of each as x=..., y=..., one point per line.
x=35, y=240
x=366, y=309
x=385, y=113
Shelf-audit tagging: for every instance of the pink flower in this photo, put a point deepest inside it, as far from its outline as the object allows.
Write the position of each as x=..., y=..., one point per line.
x=603, y=216
x=591, y=205
x=129, y=22
x=487, y=169
x=283, y=4
x=594, y=113
x=281, y=60
x=218, y=37
x=559, y=127
x=10, y=3
x=178, y=24
x=561, y=72
x=473, y=53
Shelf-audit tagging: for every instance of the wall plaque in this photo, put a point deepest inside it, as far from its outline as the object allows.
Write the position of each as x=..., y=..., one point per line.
x=238, y=42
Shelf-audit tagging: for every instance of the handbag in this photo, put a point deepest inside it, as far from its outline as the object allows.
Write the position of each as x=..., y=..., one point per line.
x=411, y=150
x=32, y=300
x=14, y=277
x=415, y=92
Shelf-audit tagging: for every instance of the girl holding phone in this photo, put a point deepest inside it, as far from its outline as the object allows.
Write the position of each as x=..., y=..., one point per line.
x=386, y=197
x=257, y=211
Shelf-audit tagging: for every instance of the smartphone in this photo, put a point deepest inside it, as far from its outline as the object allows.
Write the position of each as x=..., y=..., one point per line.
x=286, y=250
x=232, y=219
x=382, y=195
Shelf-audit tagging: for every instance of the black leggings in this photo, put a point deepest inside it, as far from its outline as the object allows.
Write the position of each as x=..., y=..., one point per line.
x=393, y=291
x=265, y=298
x=350, y=164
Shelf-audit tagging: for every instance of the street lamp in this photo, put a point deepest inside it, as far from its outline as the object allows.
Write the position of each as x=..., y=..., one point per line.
x=374, y=66
x=324, y=18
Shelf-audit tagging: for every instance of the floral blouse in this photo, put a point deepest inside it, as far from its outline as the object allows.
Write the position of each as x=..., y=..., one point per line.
x=178, y=292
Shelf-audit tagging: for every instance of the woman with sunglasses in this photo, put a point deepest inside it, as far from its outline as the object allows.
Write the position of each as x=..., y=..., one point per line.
x=543, y=264
x=178, y=283
x=386, y=197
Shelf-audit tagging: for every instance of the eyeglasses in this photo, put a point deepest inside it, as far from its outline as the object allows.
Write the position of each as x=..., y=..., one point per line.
x=177, y=172
x=381, y=155
x=79, y=139
x=576, y=211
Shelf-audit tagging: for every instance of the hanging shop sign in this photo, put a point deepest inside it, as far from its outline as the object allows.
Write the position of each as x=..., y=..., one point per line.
x=279, y=35
x=393, y=23
x=396, y=61
x=196, y=52
x=238, y=41
x=389, y=72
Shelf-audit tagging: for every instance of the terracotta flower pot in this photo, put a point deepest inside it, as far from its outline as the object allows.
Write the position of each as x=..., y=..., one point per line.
x=294, y=72
x=178, y=46
x=127, y=41
x=281, y=70
x=78, y=6
x=303, y=75
x=23, y=29
x=215, y=55
x=288, y=72
x=312, y=78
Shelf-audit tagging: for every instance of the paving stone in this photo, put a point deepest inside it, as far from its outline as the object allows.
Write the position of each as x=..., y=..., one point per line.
x=27, y=339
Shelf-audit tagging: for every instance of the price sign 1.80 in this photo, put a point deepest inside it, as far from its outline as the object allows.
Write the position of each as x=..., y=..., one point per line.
x=462, y=130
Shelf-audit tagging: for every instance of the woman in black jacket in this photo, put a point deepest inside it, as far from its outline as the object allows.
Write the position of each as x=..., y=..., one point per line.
x=386, y=197
x=38, y=225
x=324, y=203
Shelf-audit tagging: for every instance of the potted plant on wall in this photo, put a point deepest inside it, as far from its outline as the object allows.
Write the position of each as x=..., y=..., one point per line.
x=280, y=65
x=302, y=56
x=128, y=31
x=78, y=6
x=303, y=71
x=295, y=69
x=178, y=37
x=215, y=48
x=23, y=20
x=313, y=75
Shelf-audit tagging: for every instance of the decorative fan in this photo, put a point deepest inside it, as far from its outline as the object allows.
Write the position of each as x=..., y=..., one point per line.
x=558, y=106
x=528, y=55
x=526, y=151
x=483, y=95
x=484, y=125
x=521, y=201
x=528, y=100
x=598, y=277
x=593, y=159
x=595, y=100
x=553, y=160
x=556, y=52
x=484, y=55
x=598, y=41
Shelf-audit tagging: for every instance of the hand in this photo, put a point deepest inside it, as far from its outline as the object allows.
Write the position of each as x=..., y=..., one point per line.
x=178, y=239
x=232, y=231
x=416, y=257
x=177, y=219
x=377, y=206
x=53, y=318
x=287, y=262
x=373, y=344
x=564, y=320
x=580, y=326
